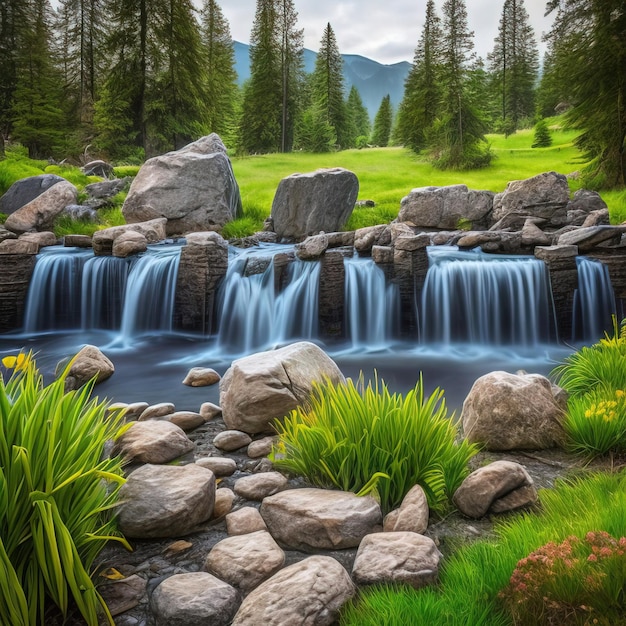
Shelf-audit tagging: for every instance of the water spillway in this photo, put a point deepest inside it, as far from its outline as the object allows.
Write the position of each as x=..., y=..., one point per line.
x=473, y=297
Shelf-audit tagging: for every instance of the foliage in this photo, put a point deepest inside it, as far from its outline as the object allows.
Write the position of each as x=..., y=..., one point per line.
x=514, y=63
x=56, y=497
x=595, y=32
x=543, y=138
x=382, y=123
x=358, y=438
x=72, y=174
x=122, y=171
x=251, y=222
x=314, y=132
x=370, y=216
x=3, y=218
x=600, y=366
x=358, y=114
x=472, y=577
x=570, y=582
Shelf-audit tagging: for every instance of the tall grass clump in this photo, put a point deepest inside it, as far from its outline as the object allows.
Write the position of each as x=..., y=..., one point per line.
x=595, y=377
x=477, y=581
x=358, y=438
x=57, y=493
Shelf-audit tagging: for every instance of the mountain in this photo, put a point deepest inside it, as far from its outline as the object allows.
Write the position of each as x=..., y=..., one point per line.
x=373, y=80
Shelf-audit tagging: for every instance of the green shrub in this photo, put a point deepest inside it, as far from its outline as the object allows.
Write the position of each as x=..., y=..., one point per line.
x=72, y=174
x=57, y=491
x=543, y=138
x=596, y=422
x=363, y=438
x=121, y=171
x=3, y=218
x=601, y=365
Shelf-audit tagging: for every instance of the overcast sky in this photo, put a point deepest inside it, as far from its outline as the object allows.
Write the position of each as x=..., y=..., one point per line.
x=384, y=30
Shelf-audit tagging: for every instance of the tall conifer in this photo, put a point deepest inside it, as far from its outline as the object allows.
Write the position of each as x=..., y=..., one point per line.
x=382, y=123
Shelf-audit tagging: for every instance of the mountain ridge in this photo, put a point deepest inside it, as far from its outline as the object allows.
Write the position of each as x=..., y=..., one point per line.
x=374, y=80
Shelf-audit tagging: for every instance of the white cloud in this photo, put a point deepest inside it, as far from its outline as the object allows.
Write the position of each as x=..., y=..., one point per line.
x=384, y=30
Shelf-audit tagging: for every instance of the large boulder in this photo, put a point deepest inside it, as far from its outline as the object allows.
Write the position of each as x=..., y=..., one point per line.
x=39, y=214
x=166, y=501
x=545, y=195
x=308, y=593
x=306, y=204
x=25, y=190
x=312, y=519
x=262, y=387
x=446, y=207
x=194, y=188
x=514, y=411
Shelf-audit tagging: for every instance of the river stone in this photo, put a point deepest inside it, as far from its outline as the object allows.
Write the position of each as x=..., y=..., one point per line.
x=412, y=514
x=25, y=190
x=43, y=239
x=155, y=411
x=107, y=188
x=306, y=204
x=312, y=247
x=496, y=487
x=446, y=207
x=259, y=486
x=513, y=411
x=220, y=466
x=194, y=599
x=90, y=362
x=135, y=409
x=129, y=243
x=124, y=594
x=194, y=188
x=187, y=420
x=260, y=447
x=545, y=195
x=262, y=387
x=245, y=520
x=308, y=593
x=208, y=410
x=310, y=519
x=102, y=240
x=224, y=499
x=245, y=561
x=396, y=558
x=230, y=440
x=201, y=377
x=153, y=441
x=39, y=214
x=166, y=500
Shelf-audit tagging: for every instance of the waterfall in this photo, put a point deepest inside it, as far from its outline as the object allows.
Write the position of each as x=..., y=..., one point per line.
x=473, y=297
x=72, y=289
x=594, y=301
x=371, y=305
x=54, y=293
x=253, y=315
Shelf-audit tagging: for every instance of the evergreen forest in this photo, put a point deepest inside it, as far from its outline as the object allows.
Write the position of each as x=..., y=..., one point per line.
x=127, y=79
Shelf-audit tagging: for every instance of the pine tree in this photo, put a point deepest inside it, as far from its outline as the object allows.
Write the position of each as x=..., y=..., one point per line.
x=514, y=63
x=36, y=115
x=588, y=40
x=219, y=60
x=328, y=88
x=543, y=138
x=458, y=140
x=382, y=123
x=359, y=116
x=422, y=93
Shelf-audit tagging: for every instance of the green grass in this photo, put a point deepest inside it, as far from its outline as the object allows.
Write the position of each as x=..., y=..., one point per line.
x=473, y=576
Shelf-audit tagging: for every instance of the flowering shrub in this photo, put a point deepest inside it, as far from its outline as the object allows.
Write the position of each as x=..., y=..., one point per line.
x=596, y=422
x=573, y=582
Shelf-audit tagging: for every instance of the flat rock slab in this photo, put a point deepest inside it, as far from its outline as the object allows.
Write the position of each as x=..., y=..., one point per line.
x=397, y=557
x=310, y=519
x=166, y=500
x=194, y=599
x=245, y=561
x=308, y=593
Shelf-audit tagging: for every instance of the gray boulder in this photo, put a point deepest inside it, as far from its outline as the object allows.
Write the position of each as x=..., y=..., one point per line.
x=39, y=214
x=194, y=599
x=23, y=191
x=166, y=501
x=308, y=593
x=588, y=238
x=193, y=188
x=445, y=207
x=514, y=411
x=310, y=519
x=306, y=204
x=262, y=387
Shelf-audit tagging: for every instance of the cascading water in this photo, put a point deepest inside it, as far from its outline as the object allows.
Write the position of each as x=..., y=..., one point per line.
x=253, y=316
x=473, y=297
x=594, y=301
x=371, y=305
